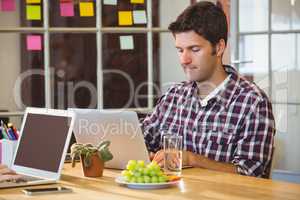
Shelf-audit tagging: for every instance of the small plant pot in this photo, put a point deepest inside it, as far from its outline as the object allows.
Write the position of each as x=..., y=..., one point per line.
x=96, y=168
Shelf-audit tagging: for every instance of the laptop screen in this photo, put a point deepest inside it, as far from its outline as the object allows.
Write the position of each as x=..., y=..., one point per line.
x=42, y=142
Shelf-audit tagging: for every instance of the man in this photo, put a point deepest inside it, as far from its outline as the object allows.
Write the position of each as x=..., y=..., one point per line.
x=226, y=122
x=7, y=174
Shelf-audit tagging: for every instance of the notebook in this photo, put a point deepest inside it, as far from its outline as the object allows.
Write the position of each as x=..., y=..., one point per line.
x=120, y=127
x=42, y=146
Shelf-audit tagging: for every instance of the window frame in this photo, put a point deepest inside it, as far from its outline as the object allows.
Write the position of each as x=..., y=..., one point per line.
x=46, y=30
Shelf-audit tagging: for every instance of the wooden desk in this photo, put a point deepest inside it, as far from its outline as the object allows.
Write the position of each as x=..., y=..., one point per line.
x=197, y=184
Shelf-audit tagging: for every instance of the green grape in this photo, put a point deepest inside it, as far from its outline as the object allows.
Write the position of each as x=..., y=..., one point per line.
x=132, y=162
x=156, y=167
x=162, y=179
x=159, y=173
x=127, y=178
x=152, y=173
x=137, y=174
x=132, y=180
x=141, y=163
x=141, y=170
x=154, y=179
x=126, y=173
x=146, y=172
x=140, y=179
x=131, y=165
x=147, y=179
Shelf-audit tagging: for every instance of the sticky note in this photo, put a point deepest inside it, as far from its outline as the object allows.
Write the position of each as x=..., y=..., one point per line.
x=125, y=18
x=126, y=42
x=33, y=1
x=8, y=5
x=136, y=1
x=34, y=42
x=67, y=9
x=139, y=17
x=110, y=2
x=33, y=12
x=86, y=9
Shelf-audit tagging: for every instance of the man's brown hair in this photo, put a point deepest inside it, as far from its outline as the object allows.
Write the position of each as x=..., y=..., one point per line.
x=205, y=18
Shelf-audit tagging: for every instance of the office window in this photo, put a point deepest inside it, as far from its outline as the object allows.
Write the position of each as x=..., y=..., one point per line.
x=267, y=51
x=254, y=49
x=85, y=55
x=285, y=15
x=73, y=66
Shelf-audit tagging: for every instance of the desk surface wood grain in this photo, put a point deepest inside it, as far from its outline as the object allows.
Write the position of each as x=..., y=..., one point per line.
x=196, y=184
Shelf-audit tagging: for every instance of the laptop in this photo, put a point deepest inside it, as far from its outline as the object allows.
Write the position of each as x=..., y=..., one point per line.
x=42, y=146
x=120, y=127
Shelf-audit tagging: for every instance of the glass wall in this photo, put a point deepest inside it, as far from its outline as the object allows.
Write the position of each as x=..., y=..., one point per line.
x=268, y=43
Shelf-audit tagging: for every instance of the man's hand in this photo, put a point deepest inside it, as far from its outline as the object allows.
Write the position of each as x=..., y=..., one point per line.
x=7, y=174
x=159, y=158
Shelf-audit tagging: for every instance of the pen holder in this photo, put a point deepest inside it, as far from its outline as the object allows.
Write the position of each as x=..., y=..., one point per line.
x=7, y=150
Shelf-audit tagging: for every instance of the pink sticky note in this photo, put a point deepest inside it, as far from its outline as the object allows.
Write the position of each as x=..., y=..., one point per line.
x=8, y=5
x=67, y=9
x=34, y=42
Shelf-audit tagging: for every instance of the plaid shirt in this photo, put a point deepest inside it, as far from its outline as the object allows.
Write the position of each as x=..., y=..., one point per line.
x=236, y=126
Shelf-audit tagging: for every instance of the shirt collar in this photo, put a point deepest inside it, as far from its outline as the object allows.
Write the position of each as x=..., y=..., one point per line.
x=224, y=94
x=214, y=93
x=228, y=92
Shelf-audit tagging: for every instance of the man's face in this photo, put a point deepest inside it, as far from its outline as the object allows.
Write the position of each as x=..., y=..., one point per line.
x=196, y=56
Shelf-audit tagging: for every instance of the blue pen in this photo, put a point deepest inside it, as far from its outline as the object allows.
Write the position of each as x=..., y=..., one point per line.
x=11, y=134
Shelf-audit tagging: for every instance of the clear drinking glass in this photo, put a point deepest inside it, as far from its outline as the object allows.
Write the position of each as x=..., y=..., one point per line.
x=172, y=154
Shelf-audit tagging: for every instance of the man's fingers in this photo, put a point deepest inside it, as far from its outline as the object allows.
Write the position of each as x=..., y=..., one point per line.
x=7, y=171
x=9, y=177
x=151, y=156
x=175, y=162
x=159, y=158
x=3, y=166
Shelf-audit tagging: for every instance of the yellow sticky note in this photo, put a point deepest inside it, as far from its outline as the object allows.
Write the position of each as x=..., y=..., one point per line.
x=125, y=18
x=33, y=1
x=33, y=12
x=137, y=1
x=86, y=9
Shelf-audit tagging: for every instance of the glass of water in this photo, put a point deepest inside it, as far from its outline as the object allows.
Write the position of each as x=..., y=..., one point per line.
x=172, y=154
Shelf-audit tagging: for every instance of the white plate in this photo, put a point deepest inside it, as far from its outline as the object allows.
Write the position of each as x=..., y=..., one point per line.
x=120, y=180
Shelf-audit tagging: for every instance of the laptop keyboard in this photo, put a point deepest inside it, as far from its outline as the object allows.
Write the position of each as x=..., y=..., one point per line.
x=24, y=179
x=29, y=178
x=19, y=182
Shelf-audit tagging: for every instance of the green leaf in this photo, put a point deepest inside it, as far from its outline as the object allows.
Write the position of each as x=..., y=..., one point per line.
x=103, y=144
x=106, y=154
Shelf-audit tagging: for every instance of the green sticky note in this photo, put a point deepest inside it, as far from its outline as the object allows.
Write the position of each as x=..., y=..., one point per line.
x=33, y=12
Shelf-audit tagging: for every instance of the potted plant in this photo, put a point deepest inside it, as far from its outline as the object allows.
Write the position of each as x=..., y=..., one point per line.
x=92, y=157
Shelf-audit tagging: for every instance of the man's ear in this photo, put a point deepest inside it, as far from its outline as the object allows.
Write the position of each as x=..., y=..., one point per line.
x=220, y=48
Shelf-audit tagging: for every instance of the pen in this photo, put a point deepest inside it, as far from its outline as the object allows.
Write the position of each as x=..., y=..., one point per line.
x=13, y=130
x=1, y=135
x=16, y=133
x=4, y=132
x=5, y=136
x=11, y=134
